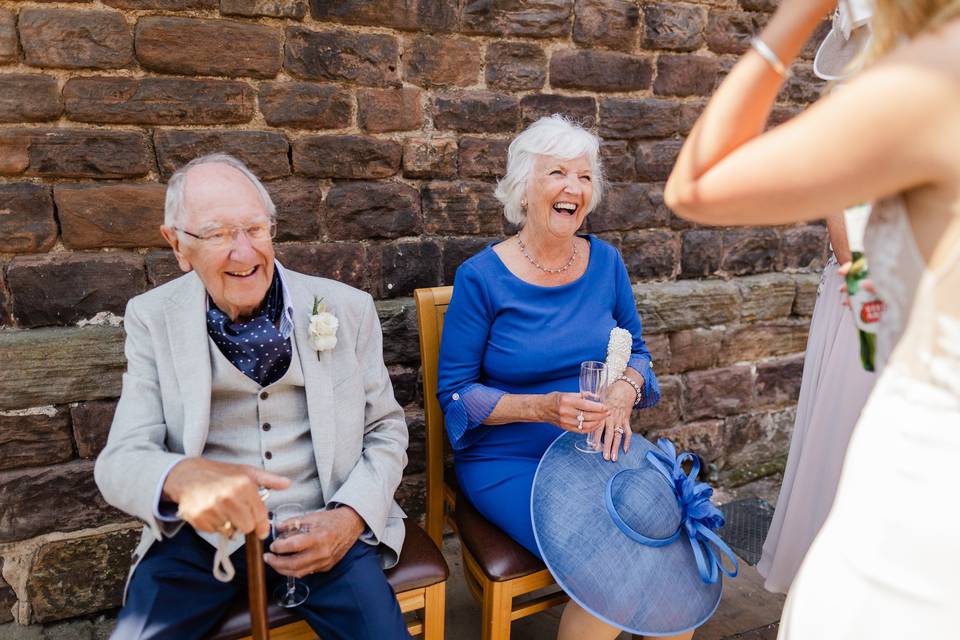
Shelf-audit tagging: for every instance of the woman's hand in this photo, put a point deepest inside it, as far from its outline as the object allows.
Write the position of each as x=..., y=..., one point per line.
x=620, y=398
x=866, y=284
x=565, y=410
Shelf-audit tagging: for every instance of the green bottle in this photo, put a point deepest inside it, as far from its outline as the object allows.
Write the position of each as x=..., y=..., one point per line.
x=867, y=308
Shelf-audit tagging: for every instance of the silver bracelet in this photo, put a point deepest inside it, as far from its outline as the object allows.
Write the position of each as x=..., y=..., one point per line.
x=635, y=386
x=772, y=58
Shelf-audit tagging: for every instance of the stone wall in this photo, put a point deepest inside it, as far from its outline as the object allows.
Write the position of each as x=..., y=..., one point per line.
x=379, y=126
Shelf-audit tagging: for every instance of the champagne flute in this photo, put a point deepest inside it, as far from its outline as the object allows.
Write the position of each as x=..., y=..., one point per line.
x=593, y=386
x=288, y=521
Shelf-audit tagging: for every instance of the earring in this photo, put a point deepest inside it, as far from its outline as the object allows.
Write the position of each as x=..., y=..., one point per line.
x=523, y=204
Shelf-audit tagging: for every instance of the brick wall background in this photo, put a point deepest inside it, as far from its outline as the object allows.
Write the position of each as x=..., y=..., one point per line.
x=379, y=127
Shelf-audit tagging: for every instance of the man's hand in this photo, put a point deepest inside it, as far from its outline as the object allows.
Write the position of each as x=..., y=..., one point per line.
x=328, y=537
x=218, y=496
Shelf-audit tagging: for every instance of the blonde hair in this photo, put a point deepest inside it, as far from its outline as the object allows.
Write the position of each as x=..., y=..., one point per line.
x=894, y=19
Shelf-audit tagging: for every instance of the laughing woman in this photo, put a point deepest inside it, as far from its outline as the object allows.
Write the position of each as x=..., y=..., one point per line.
x=525, y=313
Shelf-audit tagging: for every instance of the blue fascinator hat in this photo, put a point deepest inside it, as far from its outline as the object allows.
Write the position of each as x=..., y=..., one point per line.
x=634, y=541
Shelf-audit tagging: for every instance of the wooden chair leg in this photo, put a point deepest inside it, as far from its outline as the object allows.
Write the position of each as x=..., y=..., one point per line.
x=433, y=611
x=497, y=607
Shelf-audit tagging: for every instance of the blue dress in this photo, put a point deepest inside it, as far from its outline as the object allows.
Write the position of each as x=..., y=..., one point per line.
x=504, y=335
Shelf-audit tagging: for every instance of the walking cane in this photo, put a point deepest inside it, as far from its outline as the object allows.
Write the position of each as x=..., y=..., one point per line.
x=256, y=588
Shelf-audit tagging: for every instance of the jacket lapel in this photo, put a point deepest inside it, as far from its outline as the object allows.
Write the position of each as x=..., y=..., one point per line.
x=317, y=381
x=187, y=332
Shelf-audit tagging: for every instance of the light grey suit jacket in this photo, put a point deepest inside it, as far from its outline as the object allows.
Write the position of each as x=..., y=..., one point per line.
x=359, y=432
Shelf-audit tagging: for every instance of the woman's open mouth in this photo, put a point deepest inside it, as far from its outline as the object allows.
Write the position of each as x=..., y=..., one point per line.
x=566, y=208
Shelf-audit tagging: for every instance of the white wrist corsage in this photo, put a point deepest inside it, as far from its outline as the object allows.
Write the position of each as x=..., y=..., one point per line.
x=323, y=327
x=619, y=349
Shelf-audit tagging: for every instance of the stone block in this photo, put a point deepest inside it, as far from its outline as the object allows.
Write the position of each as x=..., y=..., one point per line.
x=342, y=261
x=778, y=381
x=755, y=438
x=803, y=86
x=408, y=265
x=264, y=152
x=57, y=366
x=805, y=247
x=753, y=342
x=8, y=599
x=689, y=114
x=42, y=500
x=113, y=215
x=766, y=297
x=806, y=296
x=163, y=5
x=382, y=110
x=158, y=101
x=305, y=105
x=370, y=59
x=409, y=15
x=760, y=5
x=161, y=267
x=704, y=438
x=429, y=158
x=5, y=319
x=401, y=342
x=362, y=210
x=457, y=250
x=515, y=66
x=619, y=163
x=347, y=157
x=411, y=495
x=650, y=255
x=298, y=208
x=675, y=27
x=782, y=113
x=429, y=61
x=293, y=9
x=597, y=70
x=731, y=31
x=29, y=98
x=406, y=390
x=672, y=306
x=717, y=392
x=655, y=159
x=665, y=413
x=60, y=584
x=91, y=425
x=416, y=449
x=750, y=251
x=659, y=346
x=483, y=157
x=74, y=153
x=476, y=112
x=27, y=224
x=8, y=44
x=75, y=39
x=61, y=289
x=196, y=46
x=531, y=18
x=35, y=440
x=638, y=118
x=695, y=348
x=628, y=205
x=685, y=75
x=701, y=252
x=581, y=109
x=461, y=208
x=606, y=23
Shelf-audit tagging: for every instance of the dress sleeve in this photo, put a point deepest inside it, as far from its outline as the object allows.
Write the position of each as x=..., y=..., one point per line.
x=625, y=313
x=466, y=402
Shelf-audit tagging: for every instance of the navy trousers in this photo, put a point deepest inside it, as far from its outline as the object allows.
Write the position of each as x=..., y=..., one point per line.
x=173, y=594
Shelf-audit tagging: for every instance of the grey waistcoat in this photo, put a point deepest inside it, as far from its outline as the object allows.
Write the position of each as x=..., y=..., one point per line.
x=266, y=427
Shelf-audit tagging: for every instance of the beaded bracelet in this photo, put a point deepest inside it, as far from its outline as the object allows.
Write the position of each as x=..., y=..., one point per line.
x=636, y=388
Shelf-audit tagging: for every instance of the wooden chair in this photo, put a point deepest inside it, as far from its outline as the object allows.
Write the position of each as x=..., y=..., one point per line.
x=500, y=573
x=419, y=580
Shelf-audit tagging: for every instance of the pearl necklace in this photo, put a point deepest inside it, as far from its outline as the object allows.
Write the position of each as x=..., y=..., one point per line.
x=523, y=250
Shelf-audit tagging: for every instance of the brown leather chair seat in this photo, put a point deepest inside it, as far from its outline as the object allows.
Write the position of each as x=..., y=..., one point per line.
x=500, y=557
x=421, y=564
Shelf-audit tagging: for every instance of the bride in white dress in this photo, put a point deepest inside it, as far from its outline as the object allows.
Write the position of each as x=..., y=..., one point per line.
x=886, y=564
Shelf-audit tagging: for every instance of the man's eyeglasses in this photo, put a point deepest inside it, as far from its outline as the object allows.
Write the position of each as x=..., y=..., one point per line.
x=223, y=237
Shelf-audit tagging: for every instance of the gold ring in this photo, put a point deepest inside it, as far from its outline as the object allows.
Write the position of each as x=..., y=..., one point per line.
x=226, y=528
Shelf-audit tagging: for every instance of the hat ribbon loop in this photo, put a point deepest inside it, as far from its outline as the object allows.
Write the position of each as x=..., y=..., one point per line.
x=699, y=517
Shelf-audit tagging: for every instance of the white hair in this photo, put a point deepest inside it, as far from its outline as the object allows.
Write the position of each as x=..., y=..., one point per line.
x=555, y=136
x=175, y=206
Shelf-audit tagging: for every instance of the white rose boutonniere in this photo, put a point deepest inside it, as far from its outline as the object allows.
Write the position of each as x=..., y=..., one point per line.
x=323, y=327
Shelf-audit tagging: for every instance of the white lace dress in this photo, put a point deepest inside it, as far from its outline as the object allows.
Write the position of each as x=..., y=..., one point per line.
x=886, y=563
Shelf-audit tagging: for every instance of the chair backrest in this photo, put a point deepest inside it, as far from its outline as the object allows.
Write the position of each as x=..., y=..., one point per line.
x=431, y=308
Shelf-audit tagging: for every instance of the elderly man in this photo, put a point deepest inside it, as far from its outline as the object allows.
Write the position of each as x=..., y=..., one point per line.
x=231, y=392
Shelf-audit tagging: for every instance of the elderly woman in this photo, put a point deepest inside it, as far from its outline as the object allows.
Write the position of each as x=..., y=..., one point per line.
x=525, y=313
